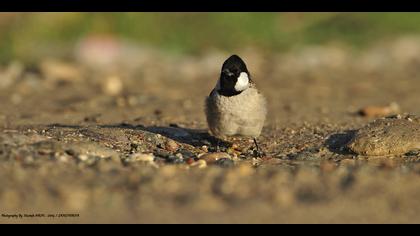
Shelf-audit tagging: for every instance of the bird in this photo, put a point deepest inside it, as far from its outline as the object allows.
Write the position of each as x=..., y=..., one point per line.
x=235, y=107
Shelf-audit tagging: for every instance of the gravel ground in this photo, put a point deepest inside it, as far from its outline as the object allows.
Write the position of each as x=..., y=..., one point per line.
x=127, y=142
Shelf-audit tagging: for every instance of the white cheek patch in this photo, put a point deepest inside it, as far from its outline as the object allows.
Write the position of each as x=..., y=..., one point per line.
x=242, y=83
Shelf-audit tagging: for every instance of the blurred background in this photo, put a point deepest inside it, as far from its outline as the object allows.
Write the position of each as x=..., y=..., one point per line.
x=30, y=35
x=125, y=56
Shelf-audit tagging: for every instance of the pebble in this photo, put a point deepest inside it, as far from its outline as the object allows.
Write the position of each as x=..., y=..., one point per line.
x=175, y=159
x=83, y=157
x=214, y=149
x=387, y=136
x=58, y=70
x=190, y=161
x=162, y=153
x=231, y=151
x=187, y=154
x=141, y=157
x=205, y=148
x=211, y=158
x=63, y=158
x=87, y=160
x=200, y=164
x=112, y=86
x=91, y=149
x=380, y=111
x=171, y=145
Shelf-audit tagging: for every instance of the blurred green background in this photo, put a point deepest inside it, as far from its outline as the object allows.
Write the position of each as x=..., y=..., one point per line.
x=25, y=36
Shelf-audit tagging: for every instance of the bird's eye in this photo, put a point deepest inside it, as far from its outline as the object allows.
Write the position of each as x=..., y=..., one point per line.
x=228, y=73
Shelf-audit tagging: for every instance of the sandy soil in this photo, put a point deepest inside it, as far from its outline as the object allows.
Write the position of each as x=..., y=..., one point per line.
x=78, y=139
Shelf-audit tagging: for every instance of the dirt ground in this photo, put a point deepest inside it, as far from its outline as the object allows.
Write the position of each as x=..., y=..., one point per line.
x=125, y=143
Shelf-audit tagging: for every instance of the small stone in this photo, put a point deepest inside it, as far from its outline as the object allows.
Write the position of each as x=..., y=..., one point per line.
x=63, y=158
x=112, y=86
x=87, y=160
x=230, y=150
x=187, y=154
x=200, y=164
x=190, y=161
x=90, y=149
x=175, y=159
x=211, y=158
x=217, y=149
x=380, y=111
x=141, y=157
x=83, y=157
x=58, y=70
x=162, y=153
x=171, y=145
x=92, y=118
x=28, y=160
x=205, y=148
x=131, y=101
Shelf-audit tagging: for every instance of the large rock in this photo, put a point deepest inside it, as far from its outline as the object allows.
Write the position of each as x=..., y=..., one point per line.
x=387, y=136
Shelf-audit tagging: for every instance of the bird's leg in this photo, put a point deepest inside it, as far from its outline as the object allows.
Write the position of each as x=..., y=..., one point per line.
x=259, y=153
x=256, y=144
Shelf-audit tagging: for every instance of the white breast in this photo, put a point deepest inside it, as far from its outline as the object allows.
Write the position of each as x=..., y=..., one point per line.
x=242, y=114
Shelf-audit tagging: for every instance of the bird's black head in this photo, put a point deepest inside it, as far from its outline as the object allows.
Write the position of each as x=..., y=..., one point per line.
x=234, y=77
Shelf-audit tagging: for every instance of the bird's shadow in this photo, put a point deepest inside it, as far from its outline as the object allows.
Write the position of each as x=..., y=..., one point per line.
x=194, y=137
x=337, y=143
